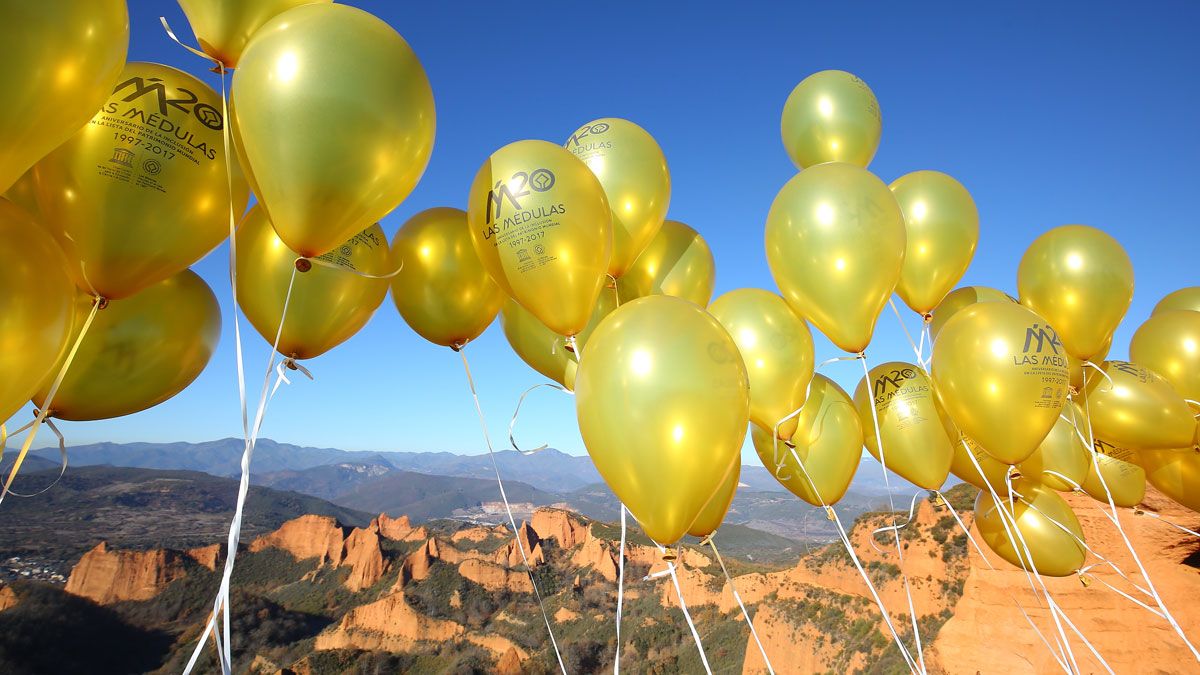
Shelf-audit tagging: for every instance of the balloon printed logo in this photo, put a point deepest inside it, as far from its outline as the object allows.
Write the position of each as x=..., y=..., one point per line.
x=892, y=380
x=585, y=131
x=1045, y=336
x=208, y=115
x=540, y=180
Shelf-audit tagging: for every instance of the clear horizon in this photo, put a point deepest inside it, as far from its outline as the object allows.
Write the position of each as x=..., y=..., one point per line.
x=1087, y=120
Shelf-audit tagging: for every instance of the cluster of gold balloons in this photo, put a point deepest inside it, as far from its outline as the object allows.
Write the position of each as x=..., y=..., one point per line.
x=116, y=179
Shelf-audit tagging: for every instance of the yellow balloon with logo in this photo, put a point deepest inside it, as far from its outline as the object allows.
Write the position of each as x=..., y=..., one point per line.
x=831, y=116
x=223, y=27
x=1134, y=407
x=1045, y=524
x=35, y=322
x=914, y=443
x=828, y=440
x=718, y=505
x=334, y=121
x=663, y=404
x=441, y=290
x=1169, y=344
x=541, y=226
x=960, y=298
x=328, y=304
x=1176, y=473
x=1120, y=476
x=139, y=351
x=835, y=244
x=677, y=262
x=942, y=228
x=64, y=58
x=777, y=349
x=631, y=167
x=1001, y=374
x=541, y=348
x=1062, y=461
x=1184, y=298
x=142, y=191
x=1081, y=281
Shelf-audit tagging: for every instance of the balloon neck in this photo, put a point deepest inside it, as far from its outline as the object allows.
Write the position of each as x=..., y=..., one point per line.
x=221, y=69
x=829, y=513
x=1084, y=580
x=861, y=355
x=1138, y=510
x=101, y=302
x=927, y=317
x=612, y=281
x=303, y=264
x=458, y=346
x=290, y=363
x=569, y=344
x=1013, y=472
x=670, y=555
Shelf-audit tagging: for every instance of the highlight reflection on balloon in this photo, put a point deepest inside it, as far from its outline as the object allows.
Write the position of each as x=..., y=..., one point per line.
x=831, y=116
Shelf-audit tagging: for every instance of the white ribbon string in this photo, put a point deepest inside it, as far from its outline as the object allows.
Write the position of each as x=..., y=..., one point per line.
x=918, y=351
x=620, y=591
x=1116, y=521
x=318, y=261
x=221, y=602
x=508, y=509
x=44, y=413
x=1151, y=514
x=687, y=616
x=833, y=515
x=62, y=450
x=912, y=509
x=513, y=423
x=733, y=587
x=979, y=549
x=1013, y=533
x=912, y=612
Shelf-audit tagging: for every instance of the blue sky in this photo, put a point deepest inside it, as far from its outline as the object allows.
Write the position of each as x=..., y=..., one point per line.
x=1048, y=115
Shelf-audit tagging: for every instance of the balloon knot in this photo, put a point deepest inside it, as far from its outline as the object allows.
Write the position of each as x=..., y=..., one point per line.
x=927, y=317
x=1138, y=511
x=303, y=264
x=1083, y=579
x=829, y=513
x=101, y=302
x=569, y=344
x=612, y=281
x=670, y=555
x=861, y=355
x=290, y=363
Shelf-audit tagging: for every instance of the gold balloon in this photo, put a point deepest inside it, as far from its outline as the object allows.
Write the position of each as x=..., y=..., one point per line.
x=63, y=59
x=1062, y=461
x=334, y=121
x=1169, y=344
x=959, y=298
x=442, y=291
x=1001, y=373
x=36, y=297
x=831, y=116
x=541, y=226
x=942, y=228
x=835, y=244
x=663, y=403
x=828, y=439
x=1135, y=407
x=990, y=471
x=915, y=445
x=141, y=192
x=777, y=349
x=1081, y=281
x=1176, y=473
x=327, y=305
x=718, y=505
x=23, y=193
x=1052, y=551
x=677, y=262
x=223, y=27
x=1121, y=473
x=631, y=167
x=543, y=349
x=1184, y=298
x=139, y=351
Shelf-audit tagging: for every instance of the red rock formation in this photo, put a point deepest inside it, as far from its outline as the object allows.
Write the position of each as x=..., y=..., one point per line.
x=596, y=554
x=494, y=577
x=111, y=576
x=7, y=598
x=388, y=624
x=509, y=664
x=207, y=556
x=364, y=558
x=306, y=537
x=562, y=526
x=396, y=529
